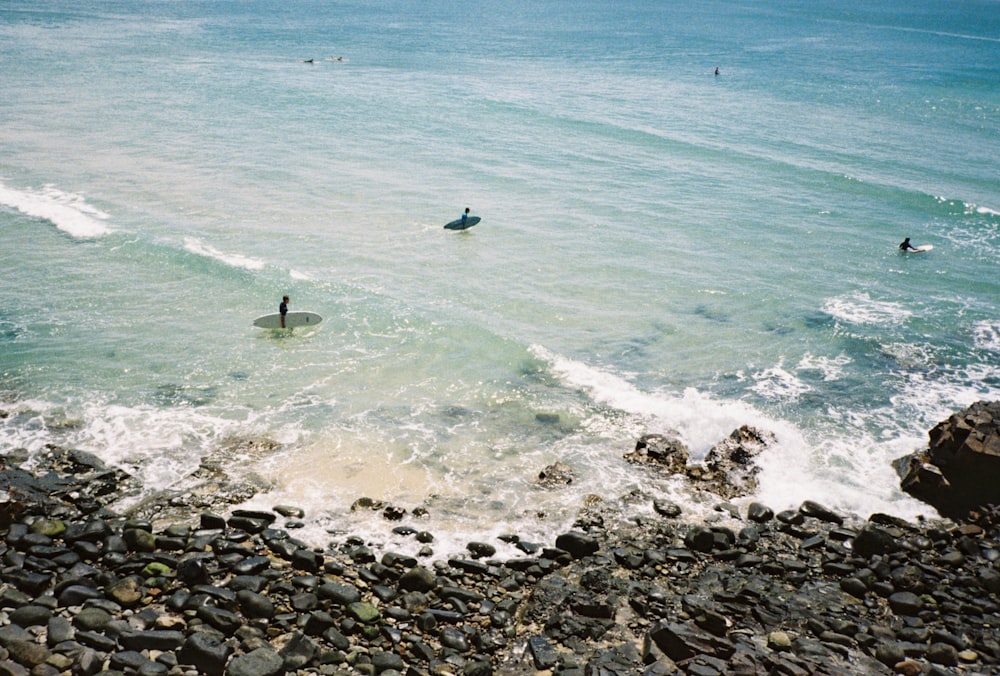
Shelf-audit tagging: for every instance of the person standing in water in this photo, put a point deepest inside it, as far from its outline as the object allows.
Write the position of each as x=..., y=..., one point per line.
x=906, y=246
x=283, y=309
x=465, y=217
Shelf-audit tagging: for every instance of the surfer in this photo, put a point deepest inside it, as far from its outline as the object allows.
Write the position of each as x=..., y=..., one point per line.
x=283, y=309
x=716, y=70
x=906, y=246
x=465, y=217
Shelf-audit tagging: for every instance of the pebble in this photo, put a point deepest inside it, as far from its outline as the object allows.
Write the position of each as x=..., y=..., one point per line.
x=808, y=591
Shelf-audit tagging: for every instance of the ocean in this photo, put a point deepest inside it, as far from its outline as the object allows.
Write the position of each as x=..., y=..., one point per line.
x=663, y=247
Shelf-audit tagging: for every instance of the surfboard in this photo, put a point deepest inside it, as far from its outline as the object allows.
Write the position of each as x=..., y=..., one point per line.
x=457, y=224
x=920, y=249
x=292, y=320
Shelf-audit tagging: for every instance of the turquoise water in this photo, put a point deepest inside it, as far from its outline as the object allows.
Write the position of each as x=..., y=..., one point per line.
x=661, y=248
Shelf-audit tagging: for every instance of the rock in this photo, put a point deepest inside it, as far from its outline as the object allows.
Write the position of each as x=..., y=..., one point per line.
x=667, y=453
x=874, y=541
x=27, y=653
x=481, y=550
x=298, y=652
x=139, y=540
x=254, y=605
x=577, y=544
x=908, y=668
x=126, y=592
x=680, y=641
x=206, y=652
x=384, y=661
x=365, y=613
x=666, y=509
x=779, y=641
x=263, y=661
x=543, y=653
x=818, y=511
x=455, y=639
x=759, y=513
x=942, y=653
x=730, y=469
x=339, y=593
x=905, y=603
x=960, y=470
x=30, y=616
x=556, y=474
x=417, y=578
x=92, y=619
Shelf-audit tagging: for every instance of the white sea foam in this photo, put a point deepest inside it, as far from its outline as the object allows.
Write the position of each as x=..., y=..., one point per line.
x=68, y=212
x=196, y=246
x=846, y=470
x=860, y=308
x=777, y=383
x=830, y=368
x=986, y=335
x=700, y=419
x=979, y=209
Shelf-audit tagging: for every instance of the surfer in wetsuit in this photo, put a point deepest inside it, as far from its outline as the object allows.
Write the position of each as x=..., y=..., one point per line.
x=465, y=217
x=283, y=309
x=906, y=246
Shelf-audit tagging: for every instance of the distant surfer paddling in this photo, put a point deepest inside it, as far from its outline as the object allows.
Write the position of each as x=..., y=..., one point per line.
x=283, y=309
x=906, y=246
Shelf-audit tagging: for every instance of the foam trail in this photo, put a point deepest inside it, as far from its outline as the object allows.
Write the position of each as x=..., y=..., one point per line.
x=861, y=308
x=196, y=246
x=700, y=420
x=68, y=212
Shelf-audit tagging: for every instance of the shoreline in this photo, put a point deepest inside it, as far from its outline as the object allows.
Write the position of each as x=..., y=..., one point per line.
x=805, y=591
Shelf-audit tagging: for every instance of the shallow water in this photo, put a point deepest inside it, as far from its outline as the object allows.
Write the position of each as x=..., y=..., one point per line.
x=661, y=248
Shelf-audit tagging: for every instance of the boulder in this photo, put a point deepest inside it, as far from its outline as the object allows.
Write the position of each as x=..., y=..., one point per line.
x=668, y=453
x=960, y=469
x=730, y=468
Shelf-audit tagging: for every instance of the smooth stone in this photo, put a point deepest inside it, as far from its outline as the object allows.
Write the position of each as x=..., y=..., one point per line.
x=364, y=613
x=30, y=616
x=260, y=662
x=779, y=640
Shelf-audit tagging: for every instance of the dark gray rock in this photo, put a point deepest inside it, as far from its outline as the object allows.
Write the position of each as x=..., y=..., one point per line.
x=905, y=603
x=205, y=651
x=668, y=453
x=254, y=605
x=874, y=541
x=162, y=640
x=543, y=653
x=299, y=652
x=417, y=578
x=339, y=594
x=30, y=616
x=263, y=661
x=577, y=544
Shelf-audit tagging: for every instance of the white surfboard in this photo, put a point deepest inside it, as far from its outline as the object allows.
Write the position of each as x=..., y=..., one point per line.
x=925, y=247
x=292, y=320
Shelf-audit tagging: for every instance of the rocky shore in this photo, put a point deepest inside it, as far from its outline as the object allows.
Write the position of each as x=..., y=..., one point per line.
x=84, y=590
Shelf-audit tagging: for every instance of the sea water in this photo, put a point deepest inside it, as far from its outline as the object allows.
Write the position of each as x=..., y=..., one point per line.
x=663, y=248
